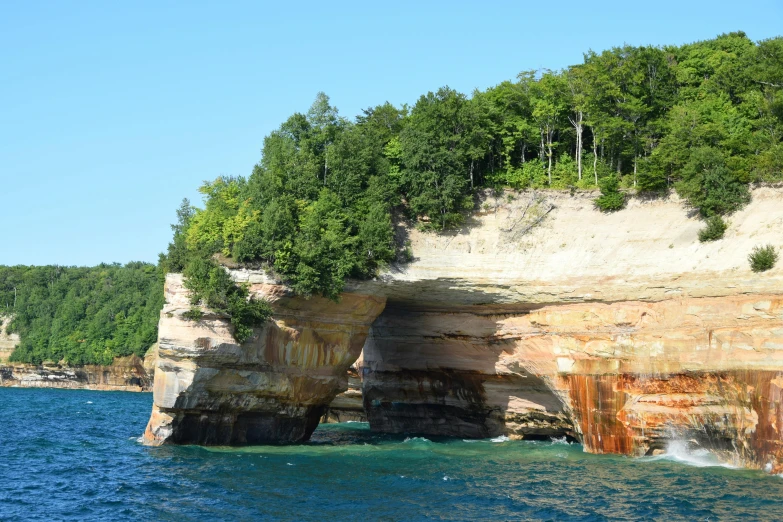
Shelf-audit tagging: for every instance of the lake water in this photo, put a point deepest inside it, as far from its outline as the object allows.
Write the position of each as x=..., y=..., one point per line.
x=75, y=455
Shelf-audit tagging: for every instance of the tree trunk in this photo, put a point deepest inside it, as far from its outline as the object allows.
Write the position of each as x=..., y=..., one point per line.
x=579, y=148
x=577, y=123
x=635, y=161
x=524, y=148
x=471, y=174
x=595, y=159
x=549, y=167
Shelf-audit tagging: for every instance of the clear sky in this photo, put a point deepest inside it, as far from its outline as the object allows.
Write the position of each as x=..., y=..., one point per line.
x=112, y=112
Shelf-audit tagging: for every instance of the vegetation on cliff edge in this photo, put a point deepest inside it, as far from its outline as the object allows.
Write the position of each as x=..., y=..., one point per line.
x=704, y=119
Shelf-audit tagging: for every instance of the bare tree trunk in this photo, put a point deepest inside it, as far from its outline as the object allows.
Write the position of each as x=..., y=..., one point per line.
x=577, y=123
x=549, y=157
x=579, y=148
x=595, y=158
x=635, y=162
x=524, y=148
x=471, y=174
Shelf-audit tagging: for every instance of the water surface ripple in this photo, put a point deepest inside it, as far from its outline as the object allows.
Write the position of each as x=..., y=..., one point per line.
x=74, y=455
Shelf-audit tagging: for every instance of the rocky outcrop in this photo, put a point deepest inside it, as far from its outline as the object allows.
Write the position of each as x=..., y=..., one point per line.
x=124, y=374
x=274, y=388
x=541, y=317
x=7, y=341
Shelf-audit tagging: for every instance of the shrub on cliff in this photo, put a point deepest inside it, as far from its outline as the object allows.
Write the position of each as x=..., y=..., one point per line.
x=762, y=258
x=714, y=230
x=611, y=199
x=210, y=284
x=709, y=184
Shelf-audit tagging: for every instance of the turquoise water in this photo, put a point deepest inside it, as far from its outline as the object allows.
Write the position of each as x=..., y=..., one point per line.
x=74, y=455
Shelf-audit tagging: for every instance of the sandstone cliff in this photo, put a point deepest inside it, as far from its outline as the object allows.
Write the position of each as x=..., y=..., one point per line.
x=124, y=374
x=274, y=388
x=541, y=317
x=7, y=341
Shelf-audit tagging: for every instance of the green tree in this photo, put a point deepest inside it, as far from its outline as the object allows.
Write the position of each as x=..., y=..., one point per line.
x=434, y=155
x=709, y=186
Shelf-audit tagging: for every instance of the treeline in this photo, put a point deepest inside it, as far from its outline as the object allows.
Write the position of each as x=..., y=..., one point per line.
x=81, y=315
x=705, y=119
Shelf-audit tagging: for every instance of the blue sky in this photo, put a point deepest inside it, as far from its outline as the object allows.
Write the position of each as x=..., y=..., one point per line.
x=112, y=112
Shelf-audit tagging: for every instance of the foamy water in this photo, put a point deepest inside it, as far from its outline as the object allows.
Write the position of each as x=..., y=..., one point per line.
x=682, y=452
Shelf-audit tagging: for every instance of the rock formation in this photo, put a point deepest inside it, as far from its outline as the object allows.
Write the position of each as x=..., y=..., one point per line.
x=7, y=341
x=274, y=388
x=541, y=317
x=124, y=374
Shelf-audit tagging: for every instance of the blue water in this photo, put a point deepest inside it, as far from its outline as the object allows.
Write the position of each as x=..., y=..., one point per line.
x=74, y=455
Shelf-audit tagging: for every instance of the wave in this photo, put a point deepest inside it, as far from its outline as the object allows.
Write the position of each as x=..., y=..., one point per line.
x=679, y=451
x=416, y=439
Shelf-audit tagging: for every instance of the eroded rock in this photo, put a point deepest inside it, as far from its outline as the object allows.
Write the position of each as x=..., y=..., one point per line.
x=272, y=389
x=620, y=330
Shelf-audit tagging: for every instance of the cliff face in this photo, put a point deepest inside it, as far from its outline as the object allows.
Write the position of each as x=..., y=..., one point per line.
x=124, y=374
x=543, y=317
x=7, y=341
x=274, y=388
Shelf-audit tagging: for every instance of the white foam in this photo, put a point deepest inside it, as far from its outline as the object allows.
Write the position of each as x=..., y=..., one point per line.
x=502, y=438
x=416, y=439
x=678, y=451
x=561, y=440
x=89, y=402
x=445, y=477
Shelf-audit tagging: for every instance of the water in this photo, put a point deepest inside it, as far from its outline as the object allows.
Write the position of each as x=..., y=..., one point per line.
x=74, y=455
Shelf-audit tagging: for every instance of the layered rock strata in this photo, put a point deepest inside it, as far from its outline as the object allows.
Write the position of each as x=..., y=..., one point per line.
x=348, y=405
x=272, y=389
x=124, y=374
x=541, y=317
x=620, y=330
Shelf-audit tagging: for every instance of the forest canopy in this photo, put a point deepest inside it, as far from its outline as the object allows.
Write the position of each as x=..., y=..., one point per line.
x=80, y=315
x=704, y=119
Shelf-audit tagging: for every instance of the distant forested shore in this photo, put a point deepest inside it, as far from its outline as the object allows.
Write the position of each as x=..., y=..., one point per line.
x=81, y=315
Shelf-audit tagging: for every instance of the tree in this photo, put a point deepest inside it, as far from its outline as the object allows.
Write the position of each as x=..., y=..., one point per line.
x=548, y=103
x=434, y=152
x=709, y=186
